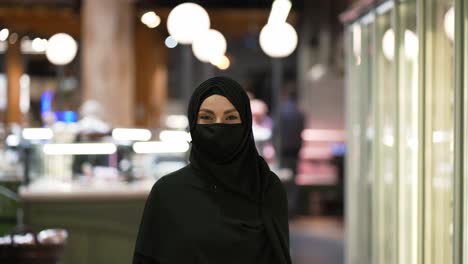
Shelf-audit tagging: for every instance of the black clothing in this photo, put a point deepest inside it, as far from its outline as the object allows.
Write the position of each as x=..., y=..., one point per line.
x=291, y=127
x=189, y=221
x=226, y=206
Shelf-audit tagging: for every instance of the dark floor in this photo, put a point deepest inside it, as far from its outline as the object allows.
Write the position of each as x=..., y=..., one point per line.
x=317, y=240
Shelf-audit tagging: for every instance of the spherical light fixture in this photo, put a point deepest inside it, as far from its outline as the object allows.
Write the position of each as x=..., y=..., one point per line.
x=39, y=45
x=221, y=62
x=449, y=24
x=187, y=21
x=170, y=42
x=411, y=45
x=278, y=40
x=357, y=40
x=4, y=33
x=279, y=11
x=388, y=44
x=61, y=49
x=209, y=45
x=150, y=19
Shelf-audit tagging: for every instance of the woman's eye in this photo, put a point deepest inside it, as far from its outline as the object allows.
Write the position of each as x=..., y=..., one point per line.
x=205, y=117
x=232, y=117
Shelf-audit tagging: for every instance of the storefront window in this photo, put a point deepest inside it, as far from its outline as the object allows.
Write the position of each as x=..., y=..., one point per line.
x=361, y=137
x=401, y=133
x=353, y=58
x=438, y=83
x=367, y=130
x=385, y=196
x=409, y=136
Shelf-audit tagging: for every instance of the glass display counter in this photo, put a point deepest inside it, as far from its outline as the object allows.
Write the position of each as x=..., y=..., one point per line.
x=401, y=122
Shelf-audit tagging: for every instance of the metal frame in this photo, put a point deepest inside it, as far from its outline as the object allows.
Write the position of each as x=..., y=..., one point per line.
x=460, y=187
x=461, y=28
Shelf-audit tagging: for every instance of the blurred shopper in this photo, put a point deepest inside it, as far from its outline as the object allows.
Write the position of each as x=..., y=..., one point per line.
x=261, y=125
x=291, y=127
x=225, y=206
x=92, y=128
x=260, y=114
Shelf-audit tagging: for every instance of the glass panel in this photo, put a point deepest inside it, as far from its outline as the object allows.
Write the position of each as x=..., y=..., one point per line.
x=353, y=58
x=360, y=138
x=439, y=131
x=409, y=137
x=401, y=188
x=386, y=152
x=367, y=138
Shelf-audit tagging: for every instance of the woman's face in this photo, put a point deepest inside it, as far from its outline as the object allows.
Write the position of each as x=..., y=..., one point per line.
x=217, y=109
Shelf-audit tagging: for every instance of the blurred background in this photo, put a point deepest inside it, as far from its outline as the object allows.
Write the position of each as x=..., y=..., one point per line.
x=93, y=99
x=359, y=106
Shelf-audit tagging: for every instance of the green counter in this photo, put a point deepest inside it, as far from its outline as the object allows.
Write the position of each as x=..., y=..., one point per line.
x=102, y=226
x=8, y=205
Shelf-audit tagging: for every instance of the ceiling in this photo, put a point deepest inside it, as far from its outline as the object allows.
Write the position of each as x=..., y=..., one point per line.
x=52, y=3
x=216, y=3
x=297, y=4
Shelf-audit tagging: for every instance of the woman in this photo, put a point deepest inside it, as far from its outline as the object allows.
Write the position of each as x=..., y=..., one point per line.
x=225, y=206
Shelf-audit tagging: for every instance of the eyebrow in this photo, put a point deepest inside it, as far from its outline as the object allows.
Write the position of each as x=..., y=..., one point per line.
x=227, y=111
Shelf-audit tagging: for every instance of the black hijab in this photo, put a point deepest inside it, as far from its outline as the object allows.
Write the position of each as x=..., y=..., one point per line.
x=226, y=152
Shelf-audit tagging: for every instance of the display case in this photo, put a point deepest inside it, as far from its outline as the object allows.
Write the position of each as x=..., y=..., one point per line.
x=438, y=83
x=410, y=133
x=401, y=124
x=385, y=161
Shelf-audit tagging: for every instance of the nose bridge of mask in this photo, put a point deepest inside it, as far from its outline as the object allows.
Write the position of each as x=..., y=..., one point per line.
x=221, y=133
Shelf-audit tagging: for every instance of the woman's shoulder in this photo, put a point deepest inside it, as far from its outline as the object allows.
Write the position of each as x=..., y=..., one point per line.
x=274, y=179
x=175, y=179
x=277, y=187
x=166, y=184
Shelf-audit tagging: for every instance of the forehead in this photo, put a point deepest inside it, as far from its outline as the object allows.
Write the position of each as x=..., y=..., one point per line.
x=217, y=102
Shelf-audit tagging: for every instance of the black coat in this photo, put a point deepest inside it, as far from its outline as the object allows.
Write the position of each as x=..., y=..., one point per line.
x=189, y=220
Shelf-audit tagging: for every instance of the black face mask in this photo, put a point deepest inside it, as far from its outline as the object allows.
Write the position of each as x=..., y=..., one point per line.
x=219, y=141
